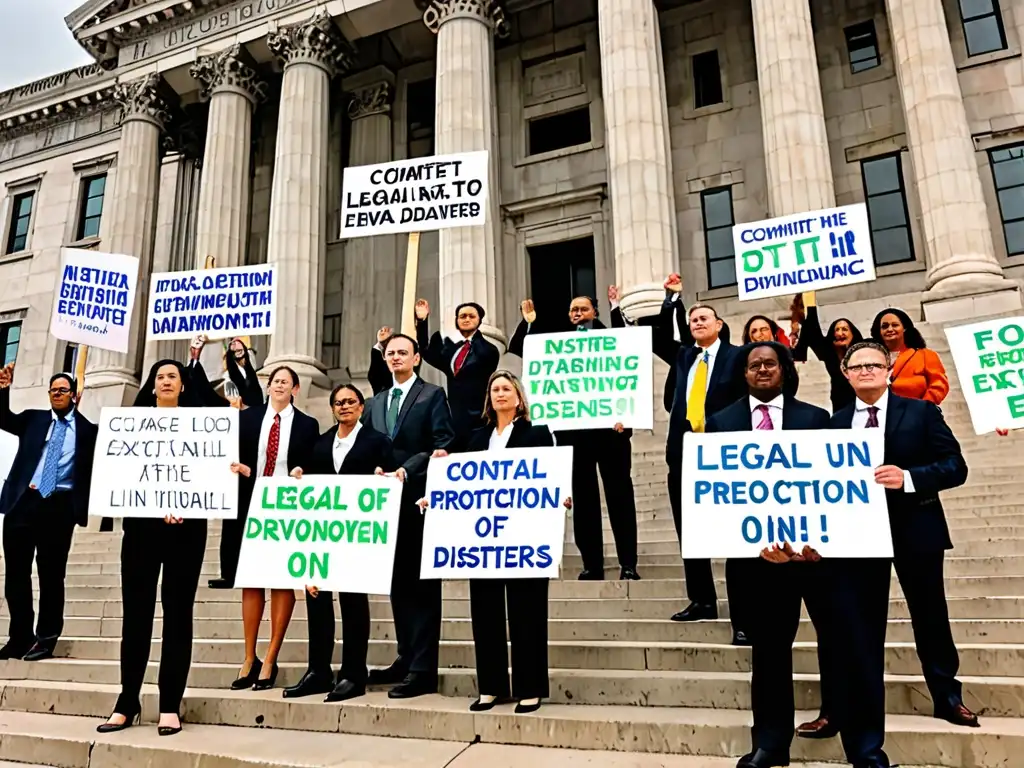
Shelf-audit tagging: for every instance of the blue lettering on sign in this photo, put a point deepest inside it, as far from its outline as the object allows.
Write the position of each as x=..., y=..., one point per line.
x=93, y=299
x=779, y=529
x=782, y=492
x=495, y=557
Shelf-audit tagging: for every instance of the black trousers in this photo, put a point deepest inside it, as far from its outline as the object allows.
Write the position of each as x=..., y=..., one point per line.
x=147, y=546
x=230, y=547
x=39, y=529
x=355, y=627
x=527, y=632
x=415, y=602
x=613, y=454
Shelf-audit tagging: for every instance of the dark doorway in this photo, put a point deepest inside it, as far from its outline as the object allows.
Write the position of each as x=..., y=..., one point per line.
x=559, y=272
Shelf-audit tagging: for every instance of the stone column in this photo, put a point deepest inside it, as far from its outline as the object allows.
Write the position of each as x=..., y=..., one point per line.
x=372, y=289
x=796, y=154
x=639, y=161
x=311, y=53
x=110, y=376
x=958, y=236
x=467, y=265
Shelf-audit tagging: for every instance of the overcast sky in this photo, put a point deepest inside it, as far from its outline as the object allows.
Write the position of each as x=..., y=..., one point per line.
x=35, y=41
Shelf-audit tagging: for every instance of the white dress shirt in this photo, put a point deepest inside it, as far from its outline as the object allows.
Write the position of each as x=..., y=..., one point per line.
x=404, y=387
x=499, y=440
x=712, y=353
x=458, y=338
x=342, y=446
x=774, y=411
x=860, y=421
x=281, y=465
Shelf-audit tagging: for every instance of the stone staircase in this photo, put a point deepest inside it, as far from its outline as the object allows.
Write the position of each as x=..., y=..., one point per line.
x=628, y=686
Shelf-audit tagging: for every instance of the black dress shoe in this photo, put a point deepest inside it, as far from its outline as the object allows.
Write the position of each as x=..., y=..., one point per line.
x=629, y=574
x=38, y=653
x=130, y=719
x=739, y=637
x=415, y=684
x=345, y=690
x=958, y=715
x=14, y=651
x=392, y=675
x=310, y=684
x=586, y=575
x=247, y=681
x=221, y=584
x=697, y=612
x=762, y=758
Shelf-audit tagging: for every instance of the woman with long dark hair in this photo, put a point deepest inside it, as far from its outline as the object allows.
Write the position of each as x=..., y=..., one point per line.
x=149, y=545
x=244, y=383
x=917, y=371
x=830, y=349
x=762, y=328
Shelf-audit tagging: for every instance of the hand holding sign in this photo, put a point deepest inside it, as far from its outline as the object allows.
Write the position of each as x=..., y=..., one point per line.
x=889, y=477
x=241, y=469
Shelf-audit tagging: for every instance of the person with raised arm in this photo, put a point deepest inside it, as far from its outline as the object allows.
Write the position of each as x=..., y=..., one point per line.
x=829, y=348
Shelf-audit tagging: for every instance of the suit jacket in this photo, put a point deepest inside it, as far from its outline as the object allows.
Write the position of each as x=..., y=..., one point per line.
x=920, y=374
x=524, y=435
x=370, y=450
x=304, y=434
x=468, y=390
x=796, y=414
x=917, y=439
x=31, y=427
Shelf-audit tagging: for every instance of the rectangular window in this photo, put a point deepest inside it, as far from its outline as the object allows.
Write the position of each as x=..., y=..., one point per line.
x=559, y=272
x=330, y=348
x=90, y=208
x=716, y=209
x=21, y=217
x=983, y=26
x=886, y=196
x=862, y=46
x=707, y=80
x=70, y=358
x=420, y=104
x=1008, y=173
x=558, y=131
x=10, y=335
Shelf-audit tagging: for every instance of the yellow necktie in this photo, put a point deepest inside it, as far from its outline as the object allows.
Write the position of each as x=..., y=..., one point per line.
x=698, y=395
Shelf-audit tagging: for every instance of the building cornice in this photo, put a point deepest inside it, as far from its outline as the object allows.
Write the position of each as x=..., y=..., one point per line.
x=70, y=102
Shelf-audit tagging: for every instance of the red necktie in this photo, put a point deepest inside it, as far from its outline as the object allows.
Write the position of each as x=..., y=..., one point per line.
x=273, y=442
x=461, y=357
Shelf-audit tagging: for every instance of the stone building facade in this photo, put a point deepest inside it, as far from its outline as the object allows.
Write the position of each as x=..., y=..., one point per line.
x=626, y=137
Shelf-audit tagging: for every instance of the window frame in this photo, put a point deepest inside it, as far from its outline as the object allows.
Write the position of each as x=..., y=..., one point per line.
x=997, y=13
x=581, y=109
x=862, y=25
x=995, y=185
x=902, y=189
x=13, y=218
x=5, y=342
x=694, y=80
x=83, y=203
x=705, y=193
x=332, y=322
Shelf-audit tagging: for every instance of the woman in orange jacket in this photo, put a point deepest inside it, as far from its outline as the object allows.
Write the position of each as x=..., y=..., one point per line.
x=917, y=371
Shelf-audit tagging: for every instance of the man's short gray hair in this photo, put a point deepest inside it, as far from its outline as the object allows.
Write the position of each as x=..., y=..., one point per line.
x=854, y=348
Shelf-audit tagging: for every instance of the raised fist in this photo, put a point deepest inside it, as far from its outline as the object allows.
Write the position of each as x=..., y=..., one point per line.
x=529, y=313
x=6, y=376
x=674, y=283
x=384, y=334
x=422, y=309
x=613, y=293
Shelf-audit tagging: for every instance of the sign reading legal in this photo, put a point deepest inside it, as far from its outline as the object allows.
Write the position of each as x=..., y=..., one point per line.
x=153, y=462
x=234, y=301
x=335, y=532
x=95, y=298
x=590, y=380
x=989, y=359
x=421, y=195
x=744, y=491
x=496, y=514
x=806, y=252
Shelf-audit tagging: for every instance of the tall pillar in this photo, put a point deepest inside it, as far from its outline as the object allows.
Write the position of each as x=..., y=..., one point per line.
x=467, y=263
x=958, y=236
x=110, y=376
x=372, y=287
x=639, y=161
x=311, y=53
x=796, y=154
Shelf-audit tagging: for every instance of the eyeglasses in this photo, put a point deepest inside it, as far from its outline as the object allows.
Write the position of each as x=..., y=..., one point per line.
x=343, y=403
x=60, y=391
x=768, y=365
x=869, y=367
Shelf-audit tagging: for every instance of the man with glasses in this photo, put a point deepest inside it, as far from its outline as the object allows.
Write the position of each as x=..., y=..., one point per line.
x=46, y=494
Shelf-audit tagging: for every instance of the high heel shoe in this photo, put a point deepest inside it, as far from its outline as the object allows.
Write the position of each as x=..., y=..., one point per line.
x=265, y=684
x=132, y=718
x=525, y=709
x=247, y=680
x=483, y=706
x=169, y=730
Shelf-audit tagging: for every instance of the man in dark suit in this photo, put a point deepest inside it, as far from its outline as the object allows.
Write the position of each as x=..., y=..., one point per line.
x=45, y=496
x=415, y=416
x=765, y=594
x=609, y=450
x=466, y=362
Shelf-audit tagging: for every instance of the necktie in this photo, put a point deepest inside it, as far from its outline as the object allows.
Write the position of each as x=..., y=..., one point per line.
x=273, y=443
x=581, y=327
x=54, y=448
x=698, y=395
x=393, y=409
x=766, y=417
x=461, y=358
x=872, y=416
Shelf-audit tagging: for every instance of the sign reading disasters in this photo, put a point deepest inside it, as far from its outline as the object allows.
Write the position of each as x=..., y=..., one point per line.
x=807, y=252
x=496, y=514
x=95, y=298
x=234, y=301
x=989, y=360
x=419, y=195
x=590, y=380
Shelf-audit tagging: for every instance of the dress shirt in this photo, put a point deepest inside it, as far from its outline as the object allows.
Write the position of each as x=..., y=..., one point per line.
x=281, y=465
x=774, y=411
x=65, y=465
x=405, y=390
x=860, y=420
x=499, y=440
x=712, y=352
x=342, y=445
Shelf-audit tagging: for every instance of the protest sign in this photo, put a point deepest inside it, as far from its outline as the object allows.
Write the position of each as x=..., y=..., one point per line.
x=989, y=359
x=153, y=462
x=806, y=252
x=590, y=380
x=744, y=491
x=419, y=195
x=95, y=297
x=496, y=514
x=234, y=301
x=335, y=532
x=8, y=450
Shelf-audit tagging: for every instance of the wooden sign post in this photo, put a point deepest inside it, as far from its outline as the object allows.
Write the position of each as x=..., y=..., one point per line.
x=412, y=264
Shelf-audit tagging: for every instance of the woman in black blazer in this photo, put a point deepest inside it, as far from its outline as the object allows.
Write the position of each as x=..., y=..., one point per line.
x=351, y=448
